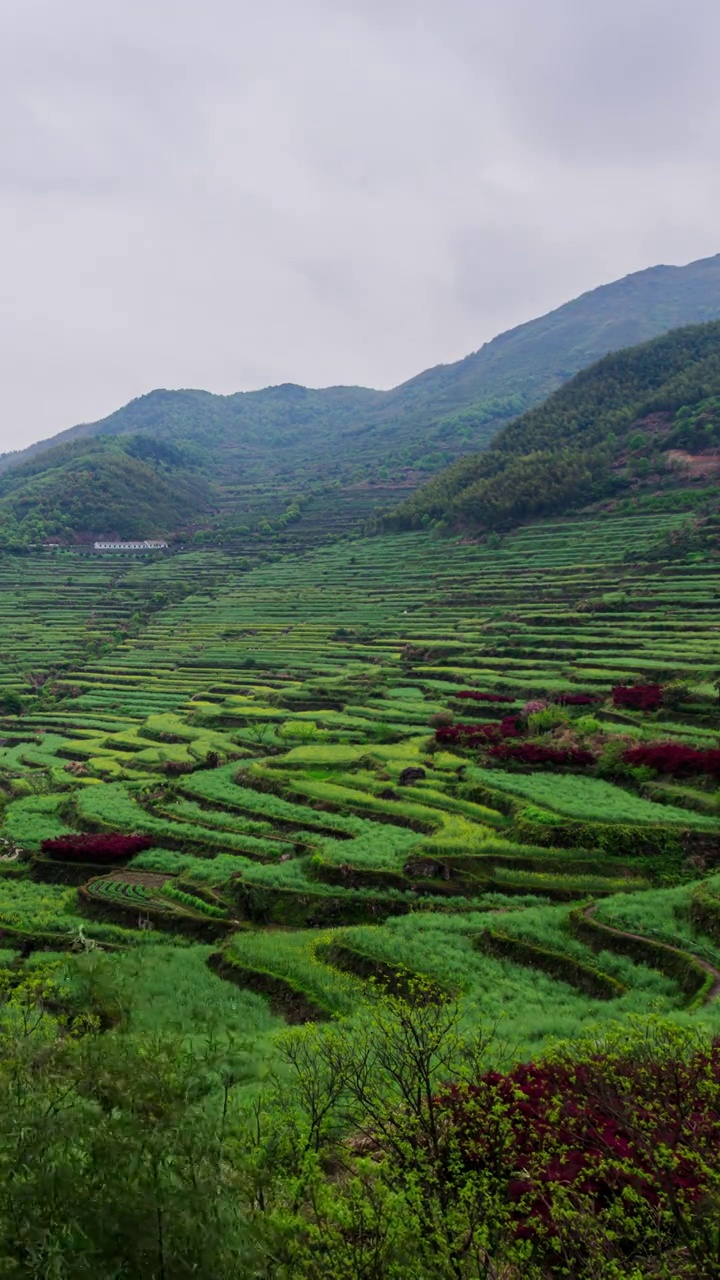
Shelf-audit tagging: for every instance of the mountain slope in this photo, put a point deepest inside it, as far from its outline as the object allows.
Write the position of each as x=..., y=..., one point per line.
x=290, y=438
x=127, y=487
x=532, y=360
x=644, y=418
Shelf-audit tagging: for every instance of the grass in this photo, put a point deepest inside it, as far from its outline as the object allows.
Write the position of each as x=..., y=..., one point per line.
x=171, y=990
x=292, y=957
x=587, y=798
x=310, y=682
x=39, y=909
x=662, y=915
x=35, y=818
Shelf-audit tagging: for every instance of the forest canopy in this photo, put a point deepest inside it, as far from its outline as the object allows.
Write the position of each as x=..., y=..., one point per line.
x=585, y=442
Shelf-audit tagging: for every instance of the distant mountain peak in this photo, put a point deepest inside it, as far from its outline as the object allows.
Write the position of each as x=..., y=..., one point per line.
x=292, y=436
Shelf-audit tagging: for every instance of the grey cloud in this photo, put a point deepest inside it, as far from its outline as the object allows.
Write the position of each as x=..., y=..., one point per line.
x=230, y=193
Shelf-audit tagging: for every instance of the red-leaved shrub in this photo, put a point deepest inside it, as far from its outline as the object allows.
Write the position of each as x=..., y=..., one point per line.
x=638, y=697
x=466, y=735
x=88, y=847
x=477, y=735
x=674, y=758
x=640, y=1136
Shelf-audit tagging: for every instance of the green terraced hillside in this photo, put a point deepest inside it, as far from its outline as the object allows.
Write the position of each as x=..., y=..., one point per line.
x=256, y=811
x=258, y=732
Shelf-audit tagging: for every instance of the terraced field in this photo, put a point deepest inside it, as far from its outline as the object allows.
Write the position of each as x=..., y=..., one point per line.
x=286, y=738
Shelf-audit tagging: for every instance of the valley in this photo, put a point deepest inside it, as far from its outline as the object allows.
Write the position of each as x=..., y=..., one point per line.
x=336, y=839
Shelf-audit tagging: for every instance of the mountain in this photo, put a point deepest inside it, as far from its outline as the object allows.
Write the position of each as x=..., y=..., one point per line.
x=639, y=424
x=131, y=486
x=257, y=451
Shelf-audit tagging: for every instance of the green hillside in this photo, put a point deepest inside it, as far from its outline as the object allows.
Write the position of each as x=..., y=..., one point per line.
x=306, y=858
x=263, y=449
x=132, y=487
x=304, y=864
x=641, y=424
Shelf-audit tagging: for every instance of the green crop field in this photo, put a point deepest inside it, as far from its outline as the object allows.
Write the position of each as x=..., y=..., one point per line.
x=360, y=831
x=288, y=741
x=255, y=726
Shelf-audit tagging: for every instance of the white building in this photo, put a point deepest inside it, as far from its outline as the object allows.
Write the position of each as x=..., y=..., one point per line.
x=150, y=544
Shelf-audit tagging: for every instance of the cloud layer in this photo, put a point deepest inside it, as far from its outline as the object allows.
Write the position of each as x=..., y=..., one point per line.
x=231, y=194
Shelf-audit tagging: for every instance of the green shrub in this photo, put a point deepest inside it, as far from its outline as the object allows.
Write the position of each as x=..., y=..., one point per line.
x=587, y=724
x=543, y=721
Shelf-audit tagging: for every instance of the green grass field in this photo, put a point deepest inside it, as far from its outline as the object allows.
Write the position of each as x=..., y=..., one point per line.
x=256, y=723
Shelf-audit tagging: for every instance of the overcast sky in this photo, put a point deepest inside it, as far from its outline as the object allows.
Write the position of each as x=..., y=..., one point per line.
x=232, y=193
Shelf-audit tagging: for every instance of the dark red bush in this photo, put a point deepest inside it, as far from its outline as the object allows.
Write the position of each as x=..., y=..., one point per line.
x=477, y=735
x=638, y=697
x=88, y=847
x=466, y=735
x=596, y=1128
x=674, y=758
x=533, y=753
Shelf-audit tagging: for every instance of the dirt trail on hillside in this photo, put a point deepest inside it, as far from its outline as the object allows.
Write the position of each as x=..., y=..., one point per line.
x=713, y=993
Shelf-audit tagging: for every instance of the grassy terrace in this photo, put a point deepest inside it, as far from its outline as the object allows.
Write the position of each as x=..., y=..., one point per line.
x=58, y=608
x=256, y=726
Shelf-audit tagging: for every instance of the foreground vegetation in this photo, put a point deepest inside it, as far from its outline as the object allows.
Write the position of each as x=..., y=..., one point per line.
x=266, y=828
x=395, y=1145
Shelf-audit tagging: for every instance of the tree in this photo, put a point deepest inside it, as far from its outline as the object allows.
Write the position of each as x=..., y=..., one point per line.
x=11, y=704
x=374, y=1093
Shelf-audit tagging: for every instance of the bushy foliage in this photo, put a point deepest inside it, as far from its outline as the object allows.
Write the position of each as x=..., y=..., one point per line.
x=541, y=719
x=587, y=724
x=630, y=1138
x=477, y=735
x=87, y=847
x=638, y=697
x=697, y=427
x=674, y=758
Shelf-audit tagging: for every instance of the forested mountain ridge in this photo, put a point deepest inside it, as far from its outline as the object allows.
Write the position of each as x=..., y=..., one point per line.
x=646, y=418
x=130, y=486
x=290, y=438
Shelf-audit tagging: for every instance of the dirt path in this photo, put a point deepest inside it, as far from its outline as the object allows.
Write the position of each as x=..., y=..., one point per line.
x=713, y=993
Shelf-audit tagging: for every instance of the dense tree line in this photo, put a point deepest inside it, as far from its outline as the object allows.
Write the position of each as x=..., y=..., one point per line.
x=564, y=454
